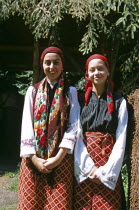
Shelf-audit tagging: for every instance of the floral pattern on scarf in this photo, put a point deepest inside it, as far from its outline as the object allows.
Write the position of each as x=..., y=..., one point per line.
x=49, y=127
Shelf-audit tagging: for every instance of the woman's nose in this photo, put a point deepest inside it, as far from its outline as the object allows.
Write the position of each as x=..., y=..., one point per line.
x=51, y=65
x=96, y=71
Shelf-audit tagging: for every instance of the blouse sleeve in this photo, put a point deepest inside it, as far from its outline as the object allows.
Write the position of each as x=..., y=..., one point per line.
x=83, y=163
x=70, y=135
x=27, y=133
x=109, y=173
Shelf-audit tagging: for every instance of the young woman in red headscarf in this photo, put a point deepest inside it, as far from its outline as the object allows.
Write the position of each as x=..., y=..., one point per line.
x=103, y=127
x=49, y=129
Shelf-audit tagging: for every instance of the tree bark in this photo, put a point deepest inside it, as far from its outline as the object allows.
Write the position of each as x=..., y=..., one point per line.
x=133, y=149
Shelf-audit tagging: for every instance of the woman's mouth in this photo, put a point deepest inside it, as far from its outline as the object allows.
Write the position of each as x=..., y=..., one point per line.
x=97, y=77
x=52, y=72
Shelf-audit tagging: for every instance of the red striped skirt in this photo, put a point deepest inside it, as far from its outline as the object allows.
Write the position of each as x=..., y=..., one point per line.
x=89, y=195
x=39, y=191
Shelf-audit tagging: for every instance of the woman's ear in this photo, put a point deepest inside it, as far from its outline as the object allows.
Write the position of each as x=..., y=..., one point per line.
x=86, y=75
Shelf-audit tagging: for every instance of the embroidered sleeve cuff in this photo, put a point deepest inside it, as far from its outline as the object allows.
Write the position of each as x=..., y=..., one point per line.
x=108, y=181
x=27, y=147
x=68, y=141
x=82, y=175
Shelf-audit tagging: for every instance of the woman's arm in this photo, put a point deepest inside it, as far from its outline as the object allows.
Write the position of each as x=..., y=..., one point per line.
x=109, y=173
x=83, y=163
x=51, y=163
x=28, y=142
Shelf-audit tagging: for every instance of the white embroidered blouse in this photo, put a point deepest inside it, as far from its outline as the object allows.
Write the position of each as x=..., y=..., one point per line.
x=109, y=173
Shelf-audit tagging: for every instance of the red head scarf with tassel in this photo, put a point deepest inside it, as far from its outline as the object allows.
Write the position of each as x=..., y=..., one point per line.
x=109, y=83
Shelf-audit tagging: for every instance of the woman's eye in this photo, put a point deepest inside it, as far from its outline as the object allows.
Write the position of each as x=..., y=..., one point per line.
x=100, y=69
x=48, y=63
x=91, y=70
x=56, y=63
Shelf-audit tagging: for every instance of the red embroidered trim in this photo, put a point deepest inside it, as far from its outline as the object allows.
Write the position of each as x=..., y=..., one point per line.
x=70, y=139
x=27, y=142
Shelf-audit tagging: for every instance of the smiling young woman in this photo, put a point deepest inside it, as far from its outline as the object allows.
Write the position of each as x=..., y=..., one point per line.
x=49, y=130
x=103, y=128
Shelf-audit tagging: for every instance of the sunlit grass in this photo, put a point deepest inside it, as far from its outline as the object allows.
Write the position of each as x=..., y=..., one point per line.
x=14, y=183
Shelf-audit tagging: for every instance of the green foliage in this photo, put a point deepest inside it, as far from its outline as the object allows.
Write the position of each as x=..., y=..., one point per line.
x=129, y=19
x=80, y=85
x=99, y=16
x=129, y=69
x=41, y=16
x=5, y=9
x=44, y=16
x=117, y=19
x=79, y=9
x=13, y=80
x=72, y=77
x=92, y=10
x=89, y=41
x=125, y=181
x=24, y=80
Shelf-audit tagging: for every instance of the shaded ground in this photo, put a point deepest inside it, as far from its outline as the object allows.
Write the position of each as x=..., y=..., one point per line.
x=8, y=198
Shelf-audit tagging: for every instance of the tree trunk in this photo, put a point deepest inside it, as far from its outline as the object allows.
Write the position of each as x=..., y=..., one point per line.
x=36, y=64
x=133, y=149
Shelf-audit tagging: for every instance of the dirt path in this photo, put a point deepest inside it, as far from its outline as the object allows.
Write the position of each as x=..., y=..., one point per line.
x=8, y=198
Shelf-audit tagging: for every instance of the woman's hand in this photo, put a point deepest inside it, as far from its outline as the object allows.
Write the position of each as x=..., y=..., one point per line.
x=39, y=164
x=55, y=161
x=94, y=178
x=51, y=163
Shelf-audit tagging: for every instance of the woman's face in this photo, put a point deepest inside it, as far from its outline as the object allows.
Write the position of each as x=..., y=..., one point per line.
x=97, y=71
x=52, y=66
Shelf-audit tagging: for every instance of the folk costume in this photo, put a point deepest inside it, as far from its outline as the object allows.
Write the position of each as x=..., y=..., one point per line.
x=50, y=119
x=103, y=128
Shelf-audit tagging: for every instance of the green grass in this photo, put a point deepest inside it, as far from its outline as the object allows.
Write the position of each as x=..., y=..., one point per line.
x=10, y=207
x=14, y=184
x=125, y=181
x=14, y=177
